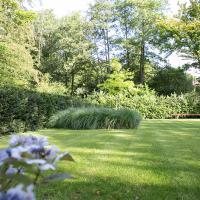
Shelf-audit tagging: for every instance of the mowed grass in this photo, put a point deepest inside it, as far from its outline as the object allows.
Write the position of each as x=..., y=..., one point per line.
x=159, y=161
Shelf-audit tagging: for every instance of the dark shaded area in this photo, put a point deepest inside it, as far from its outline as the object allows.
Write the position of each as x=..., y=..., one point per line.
x=110, y=188
x=169, y=80
x=22, y=109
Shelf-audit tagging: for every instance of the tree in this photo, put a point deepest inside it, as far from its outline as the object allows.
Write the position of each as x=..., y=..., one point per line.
x=170, y=80
x=100, y=16
x=43, y=26
x=124, y=42
x=118, y=81
x=16, y=39
x=183, y=33
x=136, y=21
x=66, y=55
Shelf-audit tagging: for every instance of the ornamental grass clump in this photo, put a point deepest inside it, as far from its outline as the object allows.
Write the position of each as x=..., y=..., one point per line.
x=95, y=118
x=22, y=165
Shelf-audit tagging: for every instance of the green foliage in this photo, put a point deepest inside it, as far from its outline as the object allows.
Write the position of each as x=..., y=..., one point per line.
x=22, y=110
x=48, y=58
x=66, y=52
x=95, y=118
x=171, y=80
x=15, y=22
x=16, y=66
x=45, y=85
x=136, y=21
x=183, y=33
x=118, y=81
x=150, y=105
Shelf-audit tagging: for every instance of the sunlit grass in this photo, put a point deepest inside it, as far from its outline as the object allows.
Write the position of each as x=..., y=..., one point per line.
x=159, y=161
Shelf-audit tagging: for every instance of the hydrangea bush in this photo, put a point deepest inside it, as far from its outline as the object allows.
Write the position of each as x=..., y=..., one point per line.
x=22, y=164
x=19, y=193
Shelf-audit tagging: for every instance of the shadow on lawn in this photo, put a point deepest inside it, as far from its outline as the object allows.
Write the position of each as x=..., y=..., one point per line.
x=111, y=188
x=166, y=159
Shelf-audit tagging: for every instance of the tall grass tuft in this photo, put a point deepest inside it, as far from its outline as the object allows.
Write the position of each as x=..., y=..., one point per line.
x=95, y=118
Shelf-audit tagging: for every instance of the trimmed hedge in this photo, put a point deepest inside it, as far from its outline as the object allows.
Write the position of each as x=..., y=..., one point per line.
x=95, y=118
x=151, y=106
x=22, y=110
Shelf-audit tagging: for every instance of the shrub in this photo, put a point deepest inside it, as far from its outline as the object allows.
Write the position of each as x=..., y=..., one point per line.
x=24, y=162
x=22, y=110
x=150, y=105
x=170, y=80
x=95, y=118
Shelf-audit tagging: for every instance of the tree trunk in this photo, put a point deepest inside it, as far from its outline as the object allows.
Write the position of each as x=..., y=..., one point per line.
x=108, y=46
x=142, y=61
x=107, y=49
x=105, y=45
x=127, y=49
x=99, y=71
x=72, y=82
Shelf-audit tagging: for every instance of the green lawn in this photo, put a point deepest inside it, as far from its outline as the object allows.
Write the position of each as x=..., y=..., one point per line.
x=159, y=161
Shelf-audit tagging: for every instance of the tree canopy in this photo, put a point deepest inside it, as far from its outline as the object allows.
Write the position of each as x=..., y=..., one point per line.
x=80, y=52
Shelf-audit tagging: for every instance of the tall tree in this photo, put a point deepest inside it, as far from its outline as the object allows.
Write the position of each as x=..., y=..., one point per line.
x=67, y=52
x=183, y=33
x=124, y=27
x=43, y=25
x=138, y=25
x=16, y=40
x=100, y=15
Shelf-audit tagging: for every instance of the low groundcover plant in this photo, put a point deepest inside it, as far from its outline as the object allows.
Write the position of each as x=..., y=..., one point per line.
x=22, y=164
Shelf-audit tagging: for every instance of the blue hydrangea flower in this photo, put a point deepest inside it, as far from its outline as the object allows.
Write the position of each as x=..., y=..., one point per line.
x=18, y=193
x=25, y=141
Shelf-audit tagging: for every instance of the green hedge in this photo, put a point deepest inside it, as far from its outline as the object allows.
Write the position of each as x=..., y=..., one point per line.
x=23, y=110
x=95, y=118
x=151, y=106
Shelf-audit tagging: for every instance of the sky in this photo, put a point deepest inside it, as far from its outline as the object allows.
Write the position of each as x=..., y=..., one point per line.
x=65, y=7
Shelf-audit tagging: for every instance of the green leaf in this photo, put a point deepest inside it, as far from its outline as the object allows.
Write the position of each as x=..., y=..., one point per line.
x=66, y=156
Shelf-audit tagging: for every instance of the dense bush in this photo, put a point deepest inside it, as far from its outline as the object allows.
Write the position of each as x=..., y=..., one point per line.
x=95, y=118
x=22, y=110
x=150, y=105
x=170, y=80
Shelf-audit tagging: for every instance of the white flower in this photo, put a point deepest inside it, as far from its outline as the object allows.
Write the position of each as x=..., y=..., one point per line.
x=11, y=153
x=30, y=195
x=35, y=149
